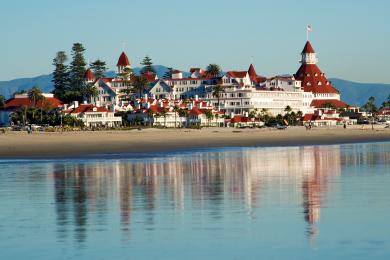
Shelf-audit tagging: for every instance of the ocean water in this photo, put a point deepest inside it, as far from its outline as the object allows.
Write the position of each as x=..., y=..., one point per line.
x=315, y=202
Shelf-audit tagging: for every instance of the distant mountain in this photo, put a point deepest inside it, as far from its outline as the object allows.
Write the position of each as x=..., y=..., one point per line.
x=358, y=93
x=351, y=92
x=7, y=88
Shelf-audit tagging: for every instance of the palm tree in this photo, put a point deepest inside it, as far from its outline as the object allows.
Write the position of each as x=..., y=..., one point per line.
x=34, y=94
x=176, y=109
x=164, y=113
x=288, y=109
x=150, y=116
x=217, y=90
x=184, y=113
x=213, y=70
x=43, y=105
x=209, y=115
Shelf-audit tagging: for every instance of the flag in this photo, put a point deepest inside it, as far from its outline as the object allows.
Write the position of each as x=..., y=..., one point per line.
x=309, y=28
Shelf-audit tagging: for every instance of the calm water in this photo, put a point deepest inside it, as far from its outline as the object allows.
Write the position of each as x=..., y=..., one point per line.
x=325, y=202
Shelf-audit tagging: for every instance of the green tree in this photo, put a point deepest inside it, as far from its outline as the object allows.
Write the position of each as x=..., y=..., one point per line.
x=386, y=103
x=176, y=110
x=168, y=73
x=139, y=84
x=287, y=109
x=34, y=95
x=60, y=76
x=209, y=115
x=370, y=105
x=164, y=113
x=2, y=101
x=217, y=91
x=148, y=65
x=151, y=114
x=77, y=71
x=99, y=68
x=213, y=70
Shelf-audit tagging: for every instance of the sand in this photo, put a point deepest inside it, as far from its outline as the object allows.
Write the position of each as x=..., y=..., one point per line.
x=20, y=145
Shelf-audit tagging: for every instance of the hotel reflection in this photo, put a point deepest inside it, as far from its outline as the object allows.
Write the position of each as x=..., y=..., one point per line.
x=247, y=179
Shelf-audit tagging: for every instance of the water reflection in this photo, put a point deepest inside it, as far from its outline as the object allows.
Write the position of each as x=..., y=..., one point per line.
x=86, y=193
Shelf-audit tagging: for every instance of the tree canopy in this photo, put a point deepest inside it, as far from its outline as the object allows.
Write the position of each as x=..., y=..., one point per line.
x=148, y=65
x=99, y=68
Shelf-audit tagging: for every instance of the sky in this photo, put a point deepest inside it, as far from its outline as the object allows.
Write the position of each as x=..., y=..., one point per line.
x=351, y=37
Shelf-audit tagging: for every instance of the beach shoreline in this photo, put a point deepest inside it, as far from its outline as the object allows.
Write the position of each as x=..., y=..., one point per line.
x=41, y=145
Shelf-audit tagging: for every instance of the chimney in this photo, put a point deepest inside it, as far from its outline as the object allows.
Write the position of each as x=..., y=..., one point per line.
x=148, y=105
x=232, y=114
x=246, y=114
x=146, y=97
x=85, y=102
x=75, y=104
x=196, y=97
x=161, y=103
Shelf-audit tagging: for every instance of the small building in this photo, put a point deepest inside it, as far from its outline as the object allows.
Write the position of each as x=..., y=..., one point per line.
x=93, y=116
x=22, y=100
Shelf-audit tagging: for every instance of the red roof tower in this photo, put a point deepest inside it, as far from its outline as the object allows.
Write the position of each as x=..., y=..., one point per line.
x=123, y=60
x=312, y=78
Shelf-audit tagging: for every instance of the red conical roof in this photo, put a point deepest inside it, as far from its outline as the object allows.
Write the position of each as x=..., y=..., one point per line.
x=123, y=60
x=313, y=80
x=308, y=48
x=252, y=72
x=89, y=75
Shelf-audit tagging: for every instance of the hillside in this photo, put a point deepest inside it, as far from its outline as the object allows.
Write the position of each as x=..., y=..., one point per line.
x=358, y=93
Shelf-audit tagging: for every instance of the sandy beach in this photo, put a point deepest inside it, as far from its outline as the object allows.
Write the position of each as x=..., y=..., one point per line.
x=21, y=145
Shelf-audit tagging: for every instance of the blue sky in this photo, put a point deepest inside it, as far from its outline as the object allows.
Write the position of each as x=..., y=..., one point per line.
x=352, y=37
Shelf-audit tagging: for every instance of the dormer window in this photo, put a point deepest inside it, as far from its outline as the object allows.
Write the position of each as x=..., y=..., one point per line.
x=316, y=75
x=319, y=83
x=327, y=83
x=308, y=84
x=308, y=75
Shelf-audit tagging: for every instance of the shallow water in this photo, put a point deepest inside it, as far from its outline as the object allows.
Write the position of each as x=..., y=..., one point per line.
x=323, y=202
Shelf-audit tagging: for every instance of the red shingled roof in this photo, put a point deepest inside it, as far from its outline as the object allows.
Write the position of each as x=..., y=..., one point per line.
x=150, y=76
x=25, y=101
x=313, y=80
x=252, y=72
x=237, y=74
x=196, y=111
x=88, y=75
x=311, y=117
x=308, y=48
x=123, y=60
x=85, y=108
x=240, y=119
x=337, y=103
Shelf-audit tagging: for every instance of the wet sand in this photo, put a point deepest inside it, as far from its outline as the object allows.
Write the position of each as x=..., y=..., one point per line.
x=20, y=145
